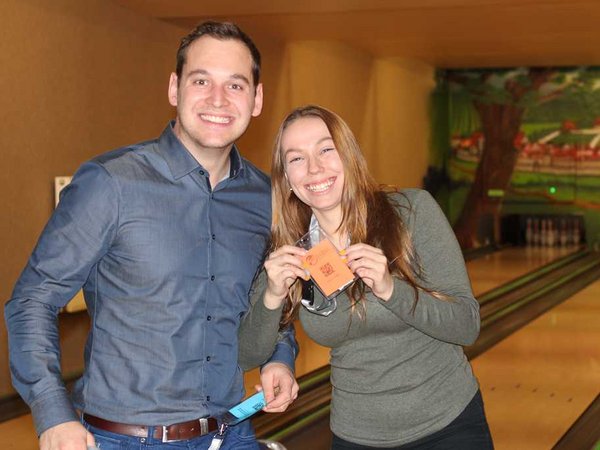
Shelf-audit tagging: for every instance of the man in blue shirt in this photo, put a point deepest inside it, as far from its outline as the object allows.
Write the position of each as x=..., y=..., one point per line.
x=165, y=238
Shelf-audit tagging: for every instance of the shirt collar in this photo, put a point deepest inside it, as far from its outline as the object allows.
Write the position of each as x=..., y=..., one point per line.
x=180, y=160
x=316, y=233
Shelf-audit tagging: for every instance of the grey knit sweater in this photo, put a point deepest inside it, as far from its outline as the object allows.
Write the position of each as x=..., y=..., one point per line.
x=397, y=375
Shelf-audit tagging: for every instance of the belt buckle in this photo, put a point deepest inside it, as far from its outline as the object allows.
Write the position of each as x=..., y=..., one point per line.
x=165, y=439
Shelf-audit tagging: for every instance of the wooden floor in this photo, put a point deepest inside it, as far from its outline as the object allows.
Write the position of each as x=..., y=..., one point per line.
x=535, y=383
x=538, y=381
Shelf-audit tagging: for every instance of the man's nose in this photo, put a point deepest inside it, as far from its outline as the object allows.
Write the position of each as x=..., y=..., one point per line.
x=218, y=96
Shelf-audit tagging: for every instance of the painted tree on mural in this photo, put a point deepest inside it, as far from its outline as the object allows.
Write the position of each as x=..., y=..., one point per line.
x=500, y=99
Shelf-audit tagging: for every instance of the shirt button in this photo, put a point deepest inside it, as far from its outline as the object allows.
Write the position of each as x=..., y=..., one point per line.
x=208, y=398
x=213, y=236
x=201, y=172
x=212, y=278
x=209, y=318
x=142, y=440
x=208, y=358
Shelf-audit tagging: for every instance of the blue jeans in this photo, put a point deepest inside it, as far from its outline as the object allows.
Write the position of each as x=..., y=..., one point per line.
x=469, y=431
x=240, y=437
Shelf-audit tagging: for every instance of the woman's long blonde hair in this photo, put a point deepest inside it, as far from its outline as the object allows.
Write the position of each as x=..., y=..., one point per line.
x=368, y=213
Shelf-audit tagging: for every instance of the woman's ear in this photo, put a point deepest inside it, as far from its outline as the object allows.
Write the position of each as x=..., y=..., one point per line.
x=288, y=181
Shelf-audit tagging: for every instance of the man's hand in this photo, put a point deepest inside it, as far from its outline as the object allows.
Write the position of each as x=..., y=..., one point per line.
x=279, y=386
x=66, y=436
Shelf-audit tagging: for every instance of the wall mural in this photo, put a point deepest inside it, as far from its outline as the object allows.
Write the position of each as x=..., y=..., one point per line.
x=517, y=153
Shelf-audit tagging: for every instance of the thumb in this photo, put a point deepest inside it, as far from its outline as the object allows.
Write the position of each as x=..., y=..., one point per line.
x=89, y=440
x=267, y=388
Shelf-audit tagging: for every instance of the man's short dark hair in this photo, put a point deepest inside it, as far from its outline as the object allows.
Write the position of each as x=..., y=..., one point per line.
x=222, y=31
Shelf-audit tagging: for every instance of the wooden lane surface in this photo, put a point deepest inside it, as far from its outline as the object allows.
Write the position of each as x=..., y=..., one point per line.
x=486, y=273
x=495, y=269
x=537, y=382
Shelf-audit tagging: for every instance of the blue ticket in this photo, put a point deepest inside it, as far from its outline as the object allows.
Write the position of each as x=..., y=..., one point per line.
x=245, y=409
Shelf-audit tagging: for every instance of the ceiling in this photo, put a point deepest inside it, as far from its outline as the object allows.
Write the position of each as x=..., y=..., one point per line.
x=443, y=33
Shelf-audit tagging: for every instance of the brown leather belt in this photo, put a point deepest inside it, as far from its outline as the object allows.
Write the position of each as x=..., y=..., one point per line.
x=167, y=433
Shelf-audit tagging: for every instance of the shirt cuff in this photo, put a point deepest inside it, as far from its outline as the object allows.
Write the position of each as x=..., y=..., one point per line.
x=284, y=354
x=52, y=411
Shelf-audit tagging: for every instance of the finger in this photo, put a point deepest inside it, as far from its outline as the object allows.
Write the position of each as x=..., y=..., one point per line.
x=268, y=389
x=368, y=281
x=373, y=253
x=298, y=251
x=282, y=258
x=285, y=276
x=288, y=250
x=280, y=404
x=367, y=261
x=363, y=248
x=282, y=398
x=277, y=265
x=377, y=267
x=295, y=272
x=295, y=390
x=285, y=387
x=279, y=409
x=280, y=283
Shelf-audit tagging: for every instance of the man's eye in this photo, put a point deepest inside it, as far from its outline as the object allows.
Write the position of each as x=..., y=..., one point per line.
x=200, y=82
x=236, y=87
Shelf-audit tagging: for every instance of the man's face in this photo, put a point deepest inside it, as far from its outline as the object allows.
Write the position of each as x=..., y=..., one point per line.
x=215, y=97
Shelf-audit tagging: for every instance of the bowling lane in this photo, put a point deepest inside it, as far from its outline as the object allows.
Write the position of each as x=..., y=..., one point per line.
x=537, y=382
x=495, y=269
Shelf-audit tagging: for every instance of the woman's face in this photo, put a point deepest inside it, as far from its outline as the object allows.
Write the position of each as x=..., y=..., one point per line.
x=313, y=166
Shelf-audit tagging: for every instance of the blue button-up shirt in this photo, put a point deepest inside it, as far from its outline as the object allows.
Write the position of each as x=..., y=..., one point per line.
x=166, y=264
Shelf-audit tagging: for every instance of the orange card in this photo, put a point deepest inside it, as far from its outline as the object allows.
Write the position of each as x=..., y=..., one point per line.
x=327, y=269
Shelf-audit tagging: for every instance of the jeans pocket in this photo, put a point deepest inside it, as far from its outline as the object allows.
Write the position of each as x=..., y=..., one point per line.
x=106, y=440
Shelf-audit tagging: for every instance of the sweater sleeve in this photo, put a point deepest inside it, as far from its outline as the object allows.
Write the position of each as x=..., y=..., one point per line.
x=260, y=340
x=455, y=319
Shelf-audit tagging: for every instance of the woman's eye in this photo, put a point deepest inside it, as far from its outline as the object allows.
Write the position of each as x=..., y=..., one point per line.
x=327, y=149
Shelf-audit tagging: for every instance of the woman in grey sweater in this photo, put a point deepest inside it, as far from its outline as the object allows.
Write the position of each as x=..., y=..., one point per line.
x=399, y=375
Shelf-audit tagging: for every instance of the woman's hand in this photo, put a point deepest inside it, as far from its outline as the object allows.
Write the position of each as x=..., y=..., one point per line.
x=283, y=267
x=371, y=265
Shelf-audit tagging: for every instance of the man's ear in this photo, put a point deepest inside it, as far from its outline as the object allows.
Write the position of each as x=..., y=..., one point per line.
x=258, y=100
x=173, y=89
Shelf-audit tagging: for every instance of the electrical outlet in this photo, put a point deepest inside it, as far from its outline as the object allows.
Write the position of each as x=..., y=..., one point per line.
x=59, y=184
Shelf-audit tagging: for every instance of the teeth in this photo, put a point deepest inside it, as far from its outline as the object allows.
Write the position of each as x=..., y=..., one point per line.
x=215, y=119
x=320, y=186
